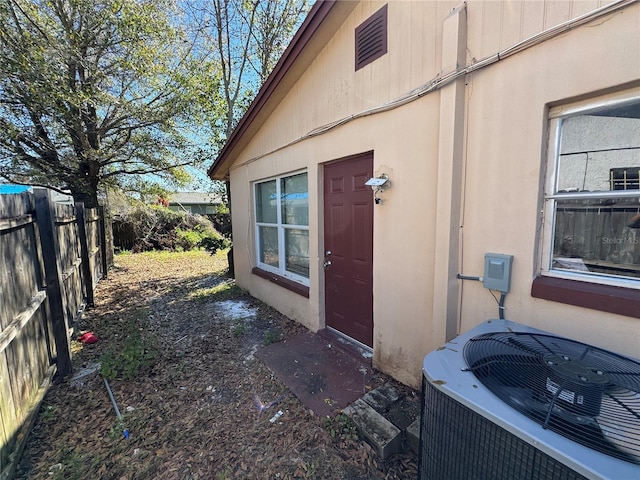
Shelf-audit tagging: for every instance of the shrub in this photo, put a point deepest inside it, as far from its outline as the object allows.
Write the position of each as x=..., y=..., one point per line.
x=215, y=242
x=155, y=227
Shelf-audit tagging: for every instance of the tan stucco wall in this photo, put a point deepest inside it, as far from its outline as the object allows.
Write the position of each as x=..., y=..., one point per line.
x=400, y=330
x=501, y=212
x=504, y=109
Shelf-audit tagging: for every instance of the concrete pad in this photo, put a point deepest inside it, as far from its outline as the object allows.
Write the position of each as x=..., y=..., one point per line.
x=383, y=436
x=382, y=398
x=325, y=379
x=412, y=434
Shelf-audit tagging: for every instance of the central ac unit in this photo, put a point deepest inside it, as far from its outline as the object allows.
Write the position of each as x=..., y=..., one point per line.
x=508, y=402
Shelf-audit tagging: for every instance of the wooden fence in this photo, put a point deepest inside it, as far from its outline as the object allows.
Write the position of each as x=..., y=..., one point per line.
x=51, y=257
x=599, y=236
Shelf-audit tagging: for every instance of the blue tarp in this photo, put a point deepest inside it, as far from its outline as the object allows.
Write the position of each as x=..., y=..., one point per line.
x=13, y=189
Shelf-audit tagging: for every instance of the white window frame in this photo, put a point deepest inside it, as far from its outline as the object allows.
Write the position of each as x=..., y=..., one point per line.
x=281, y=270
x=550, y=197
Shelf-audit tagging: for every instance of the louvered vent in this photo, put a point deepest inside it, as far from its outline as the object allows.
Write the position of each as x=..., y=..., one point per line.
x=371, y=38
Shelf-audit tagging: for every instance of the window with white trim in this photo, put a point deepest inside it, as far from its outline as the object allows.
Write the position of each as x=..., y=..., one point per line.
x=282, y=226
x=591, y=226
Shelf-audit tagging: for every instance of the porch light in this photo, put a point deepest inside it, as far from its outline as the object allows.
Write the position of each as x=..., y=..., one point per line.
x=378, y=184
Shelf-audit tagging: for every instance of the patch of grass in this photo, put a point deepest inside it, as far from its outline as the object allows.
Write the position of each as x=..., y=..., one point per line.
x=132, y=356
x=224, y=291
x=271, y=337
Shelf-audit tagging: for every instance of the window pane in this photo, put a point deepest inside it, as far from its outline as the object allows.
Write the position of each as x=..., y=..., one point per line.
x=297, y=251
x=268, y=237
x=266, y=202
x=294, y=196
x=598, y=236
x=600, y=151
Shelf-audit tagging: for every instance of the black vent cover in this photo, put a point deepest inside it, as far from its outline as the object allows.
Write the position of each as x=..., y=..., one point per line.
x=584, y=393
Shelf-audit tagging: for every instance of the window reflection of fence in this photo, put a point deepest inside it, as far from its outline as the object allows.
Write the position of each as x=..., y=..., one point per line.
x=600, y=236
x=52, y=256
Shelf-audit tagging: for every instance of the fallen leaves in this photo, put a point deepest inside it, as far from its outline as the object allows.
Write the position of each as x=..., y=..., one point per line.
x=210, y=428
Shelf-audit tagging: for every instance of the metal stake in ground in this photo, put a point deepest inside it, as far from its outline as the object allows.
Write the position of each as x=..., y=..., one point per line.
x=125, y=432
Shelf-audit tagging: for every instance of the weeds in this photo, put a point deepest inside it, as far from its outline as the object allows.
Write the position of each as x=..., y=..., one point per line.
x=72, y=466
x=133, y=356
x=48, y=413
x=341, y=427
x=239, y=329
x=271, y=337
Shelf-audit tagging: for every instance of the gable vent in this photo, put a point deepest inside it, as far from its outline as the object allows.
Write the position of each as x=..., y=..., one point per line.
x=371, y=38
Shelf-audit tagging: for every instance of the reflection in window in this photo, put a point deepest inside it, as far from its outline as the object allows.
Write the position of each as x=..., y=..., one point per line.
x=297, y=251
x=268, y=239
x=282, y=226
x=624, y=178
x=595, y=201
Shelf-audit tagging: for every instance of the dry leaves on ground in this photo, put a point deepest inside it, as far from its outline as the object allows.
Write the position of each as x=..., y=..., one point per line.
x=177, y=340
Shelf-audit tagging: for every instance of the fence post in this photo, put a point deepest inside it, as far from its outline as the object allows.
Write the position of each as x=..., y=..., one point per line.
x=103, y=242
x=45, y=217
x=84, y=253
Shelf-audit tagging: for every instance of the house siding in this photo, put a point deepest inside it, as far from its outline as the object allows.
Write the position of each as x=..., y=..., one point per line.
x=490, y=198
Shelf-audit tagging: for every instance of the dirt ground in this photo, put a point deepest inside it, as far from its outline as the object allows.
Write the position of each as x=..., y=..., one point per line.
x=176, y=340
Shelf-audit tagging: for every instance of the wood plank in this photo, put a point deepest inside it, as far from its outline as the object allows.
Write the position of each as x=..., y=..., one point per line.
x=16, y=204
x=28, y=362
x=69, y=271
x=65, y=220
x=50, y=253
x=103, y=241
x=15, y=222
x=84, y=253
x=10, y=421
x=11, y=331
x=7, y=472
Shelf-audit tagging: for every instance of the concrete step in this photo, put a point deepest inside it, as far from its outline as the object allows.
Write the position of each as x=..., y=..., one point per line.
x=412, y=435
x=383, y=435
x=388, y=420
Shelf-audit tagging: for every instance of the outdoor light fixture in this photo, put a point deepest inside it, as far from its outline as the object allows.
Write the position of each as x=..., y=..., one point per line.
x=378, y=184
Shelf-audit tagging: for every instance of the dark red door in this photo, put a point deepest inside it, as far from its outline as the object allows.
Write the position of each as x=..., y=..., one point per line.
x=348, y=243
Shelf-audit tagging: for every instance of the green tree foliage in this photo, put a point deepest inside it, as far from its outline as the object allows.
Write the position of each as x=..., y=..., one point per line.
x=95, y=94
x=241, y=41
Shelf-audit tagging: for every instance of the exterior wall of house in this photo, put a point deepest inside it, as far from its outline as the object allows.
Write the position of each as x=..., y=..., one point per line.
x=491, y=123
x=514, y=95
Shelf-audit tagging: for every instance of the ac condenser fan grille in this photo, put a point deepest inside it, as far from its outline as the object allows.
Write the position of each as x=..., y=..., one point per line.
x=589, y=395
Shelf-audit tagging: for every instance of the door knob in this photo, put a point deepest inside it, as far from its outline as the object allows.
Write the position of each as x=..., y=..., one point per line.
x=327, y=264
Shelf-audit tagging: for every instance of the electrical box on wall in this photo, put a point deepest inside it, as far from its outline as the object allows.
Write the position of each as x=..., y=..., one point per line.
x=497, y=271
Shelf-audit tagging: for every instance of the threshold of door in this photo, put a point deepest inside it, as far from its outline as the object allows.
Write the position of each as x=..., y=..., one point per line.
x=346, y=343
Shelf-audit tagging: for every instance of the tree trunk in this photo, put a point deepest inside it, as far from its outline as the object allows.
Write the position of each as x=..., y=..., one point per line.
x=90, y=199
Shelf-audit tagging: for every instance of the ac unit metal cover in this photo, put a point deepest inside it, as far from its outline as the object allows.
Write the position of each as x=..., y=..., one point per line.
x=446, y=373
